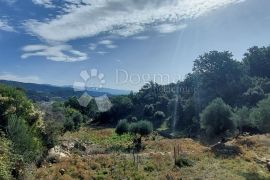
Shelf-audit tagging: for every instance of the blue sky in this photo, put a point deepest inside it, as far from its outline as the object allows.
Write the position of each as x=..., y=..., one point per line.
x=129, y=41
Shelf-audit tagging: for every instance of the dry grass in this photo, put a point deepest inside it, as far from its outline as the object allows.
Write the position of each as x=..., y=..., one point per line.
x=157, y=162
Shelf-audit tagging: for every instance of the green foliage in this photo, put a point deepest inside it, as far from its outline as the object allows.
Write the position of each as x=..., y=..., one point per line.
x=122, y=127
x=260, y=115
x=14, y=102
x=122, y=107
x=217, y=75
x=159, y=118
x=216, y=119
x=142, y=128
x=242, y=119
x=74, y=116
x=137, y=129
x=159, y=115
x=51, y=132
x=253, y=95
x=26, y=141
x=257, y=61
x=69, y=125
x=149, y=167
x=90, y=111
x=183, y=161
x=5, y=160
x=63, y=118
x=149, y=110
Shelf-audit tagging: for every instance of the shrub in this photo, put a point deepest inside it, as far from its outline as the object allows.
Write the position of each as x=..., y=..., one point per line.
x=69, y=125
x=241, y=118
x=137, y=129
x=260, y=115
x=159, y=116
x=216, y=119
x=51, y=131
x=14, y=102
x=122, y=127
x=26, y=142
x=182, y=161
x=149, y=167
x=149, y=110
x=5, y=161
x=75, y=116
x=143, y=128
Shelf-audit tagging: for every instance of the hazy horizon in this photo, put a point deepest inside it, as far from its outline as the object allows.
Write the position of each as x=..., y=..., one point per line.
x=52, y=43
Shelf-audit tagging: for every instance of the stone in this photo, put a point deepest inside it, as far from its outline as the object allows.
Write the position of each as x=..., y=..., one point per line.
x=62, y=171
x=55, y=154
x=268, y=165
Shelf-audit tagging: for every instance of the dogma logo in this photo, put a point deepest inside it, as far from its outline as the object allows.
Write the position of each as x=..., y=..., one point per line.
x=92, y=81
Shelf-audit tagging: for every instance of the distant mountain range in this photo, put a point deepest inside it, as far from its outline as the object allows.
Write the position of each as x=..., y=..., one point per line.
x=46, y=92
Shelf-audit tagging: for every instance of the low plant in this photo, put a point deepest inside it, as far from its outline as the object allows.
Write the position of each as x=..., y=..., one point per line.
x=183, y=161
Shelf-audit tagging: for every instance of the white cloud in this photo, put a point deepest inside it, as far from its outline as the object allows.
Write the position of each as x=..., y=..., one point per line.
x=60, y=52
x=119, y=17
x=108, y=44
x=128, y=30
x=141, y=37
x=102, y=52
x=92, y=46
x=105, y=42
x=45, y=3
x=5, y=26
x=14, y=77
x=169, y=28
x=111, y=46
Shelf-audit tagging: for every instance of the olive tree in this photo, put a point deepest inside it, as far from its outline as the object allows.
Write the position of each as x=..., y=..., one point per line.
x=216, y=119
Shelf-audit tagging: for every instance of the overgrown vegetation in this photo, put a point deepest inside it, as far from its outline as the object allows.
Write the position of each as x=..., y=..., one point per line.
x=137, y=129
x=191, y=108
x=221, y=98
x=216, y=119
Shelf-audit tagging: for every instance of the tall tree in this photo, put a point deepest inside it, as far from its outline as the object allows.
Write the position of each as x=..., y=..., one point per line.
x=257, y=61
x=217, y=75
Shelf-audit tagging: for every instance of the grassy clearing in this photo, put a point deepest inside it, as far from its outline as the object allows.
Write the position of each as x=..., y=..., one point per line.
x=156, y=160
x=106, y=138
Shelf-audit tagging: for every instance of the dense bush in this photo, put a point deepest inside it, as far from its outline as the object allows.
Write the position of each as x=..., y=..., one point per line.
x=159, y=115
x=69, y=125
x=260, y=115
x=142, y=128
x=75, y=117
x=253, y=95
x=5, y=160
x=137, y=129
x=218, y=75
x=183, y=161
x=14, y=102
x=216, y=119
x=122, y=107
x=149, y=110
x=257, y=61
x=90, y=111
x=122, y=127
x=61, y=118
x=243, y=121
x=26, y=141
x=51, y=132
